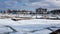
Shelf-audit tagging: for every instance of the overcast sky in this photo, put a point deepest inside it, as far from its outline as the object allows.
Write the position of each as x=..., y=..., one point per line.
x=29, y=4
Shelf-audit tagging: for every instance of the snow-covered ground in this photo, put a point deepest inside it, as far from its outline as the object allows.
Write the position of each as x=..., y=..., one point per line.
x=33, y=26
x=28, y=22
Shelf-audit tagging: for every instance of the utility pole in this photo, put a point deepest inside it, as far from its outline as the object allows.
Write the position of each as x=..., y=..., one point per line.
x=36, y=15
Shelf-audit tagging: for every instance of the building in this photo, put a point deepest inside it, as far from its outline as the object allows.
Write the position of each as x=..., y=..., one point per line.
x=24, y=12
x=11, y=11
x=18, y=12
x=41, y=11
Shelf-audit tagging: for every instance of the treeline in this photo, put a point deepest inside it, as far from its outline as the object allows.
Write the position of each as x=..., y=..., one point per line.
x=57, y=11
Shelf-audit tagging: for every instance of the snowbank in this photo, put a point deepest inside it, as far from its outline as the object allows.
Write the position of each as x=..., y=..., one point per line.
x=27, y=22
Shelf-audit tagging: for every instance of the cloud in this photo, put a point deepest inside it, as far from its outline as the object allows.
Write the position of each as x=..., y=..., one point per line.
x=29, y=4
x=50, y=4
x=10, y=2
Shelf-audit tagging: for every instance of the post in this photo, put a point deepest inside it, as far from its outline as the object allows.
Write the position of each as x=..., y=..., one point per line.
x=36, y=13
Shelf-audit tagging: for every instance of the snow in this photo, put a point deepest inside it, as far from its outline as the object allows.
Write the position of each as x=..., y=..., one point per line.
x=33, y=26
x=39, y=29
x=27, y=22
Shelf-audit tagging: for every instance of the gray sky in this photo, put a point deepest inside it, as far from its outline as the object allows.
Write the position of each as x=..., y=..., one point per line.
x=29, y=4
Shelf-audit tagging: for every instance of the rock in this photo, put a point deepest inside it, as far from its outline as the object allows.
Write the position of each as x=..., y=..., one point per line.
x=56, y=32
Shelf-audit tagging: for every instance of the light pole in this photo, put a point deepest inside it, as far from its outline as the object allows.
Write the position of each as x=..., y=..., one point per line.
x=36, y=13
